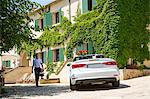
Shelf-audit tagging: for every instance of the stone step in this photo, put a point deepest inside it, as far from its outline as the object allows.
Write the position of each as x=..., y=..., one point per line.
x=49, y=81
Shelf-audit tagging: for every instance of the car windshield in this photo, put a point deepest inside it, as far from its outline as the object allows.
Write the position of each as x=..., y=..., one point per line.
x=76, y=58
x=99, y=56
x=87, y=57
x=82, y=57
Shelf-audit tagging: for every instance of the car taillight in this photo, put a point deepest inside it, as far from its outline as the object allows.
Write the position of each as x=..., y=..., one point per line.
x=110, y=63
x=78, y=66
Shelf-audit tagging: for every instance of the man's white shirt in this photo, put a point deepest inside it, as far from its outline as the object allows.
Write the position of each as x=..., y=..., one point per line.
x=37, y=63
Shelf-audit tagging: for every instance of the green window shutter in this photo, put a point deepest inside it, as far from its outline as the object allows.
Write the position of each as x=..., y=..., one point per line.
x=60, y=15
x=61, y=54
x=47, y=19
x=93, y=3
x=90, y=47
x=3, y=63
x=34, y=54
x=50, y=56
x=9, y=63
x=44, y=20
x=84, y=6
x=44, y=57
x=36, y=25
x=81, y=47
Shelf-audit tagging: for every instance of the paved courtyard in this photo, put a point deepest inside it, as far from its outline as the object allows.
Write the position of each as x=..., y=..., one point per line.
x=137, y=88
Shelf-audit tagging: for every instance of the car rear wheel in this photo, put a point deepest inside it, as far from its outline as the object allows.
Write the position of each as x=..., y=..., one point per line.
x=116, y=83
x=73, y=87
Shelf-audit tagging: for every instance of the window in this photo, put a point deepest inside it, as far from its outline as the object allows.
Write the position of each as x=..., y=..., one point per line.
x=53, y=18
x=82, y=57
x=42, y=10
x=77, y=58
x=44, y=57
x=100, y=56
x=57, y=55
x=6, y=63
x=89, y=57
x=57, y=17
x=89, y=5
x=49, y=8
x=41, y=23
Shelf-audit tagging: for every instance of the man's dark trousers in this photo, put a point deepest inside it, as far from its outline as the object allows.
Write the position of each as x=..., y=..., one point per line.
x=37, y=74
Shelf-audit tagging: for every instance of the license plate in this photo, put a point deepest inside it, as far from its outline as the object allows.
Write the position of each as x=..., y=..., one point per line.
x=95, y=66
x=99, y=82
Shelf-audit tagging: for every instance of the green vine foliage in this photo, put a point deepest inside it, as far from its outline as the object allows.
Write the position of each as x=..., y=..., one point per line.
x=29, y=47
x=133, y=36
x=117, y=29
x=52, y=36
x=98, y=26
x=56, y=35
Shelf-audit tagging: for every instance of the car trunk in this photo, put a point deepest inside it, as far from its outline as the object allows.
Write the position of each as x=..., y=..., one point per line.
x=88, y=73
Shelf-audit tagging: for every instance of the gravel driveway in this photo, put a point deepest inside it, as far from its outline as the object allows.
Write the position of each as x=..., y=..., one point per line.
x=138, y=88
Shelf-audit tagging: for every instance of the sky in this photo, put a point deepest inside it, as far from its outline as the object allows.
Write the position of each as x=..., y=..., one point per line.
x=42, y=2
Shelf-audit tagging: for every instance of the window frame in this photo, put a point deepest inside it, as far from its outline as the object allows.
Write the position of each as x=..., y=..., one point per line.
x=57, y=17
x=90, y=6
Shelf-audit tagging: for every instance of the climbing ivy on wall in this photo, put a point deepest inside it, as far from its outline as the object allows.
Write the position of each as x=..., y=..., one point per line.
x=56, y=35
x=117, y=29
x=133, y=36
x=52, y=36
x=98, y=26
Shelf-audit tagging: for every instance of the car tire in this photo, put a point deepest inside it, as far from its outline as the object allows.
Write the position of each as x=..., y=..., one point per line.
x=116, y=83
x=73, y=87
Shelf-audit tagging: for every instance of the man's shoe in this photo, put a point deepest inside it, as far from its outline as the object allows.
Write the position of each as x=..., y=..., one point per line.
x=37, y=85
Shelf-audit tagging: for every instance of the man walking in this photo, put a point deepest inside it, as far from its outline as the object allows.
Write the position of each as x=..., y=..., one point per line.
x=37, y=65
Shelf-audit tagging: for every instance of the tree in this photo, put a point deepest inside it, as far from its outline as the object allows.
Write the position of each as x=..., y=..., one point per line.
x=14, y=22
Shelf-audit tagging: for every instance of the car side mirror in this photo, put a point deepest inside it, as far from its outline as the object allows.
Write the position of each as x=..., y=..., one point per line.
x=68, y=64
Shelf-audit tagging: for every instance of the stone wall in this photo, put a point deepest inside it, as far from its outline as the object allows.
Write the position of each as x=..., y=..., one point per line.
x=132, y=73
x=147, y=62
x=15, y=74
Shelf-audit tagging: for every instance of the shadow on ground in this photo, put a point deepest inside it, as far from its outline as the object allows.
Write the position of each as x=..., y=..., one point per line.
x=43, y=90
x=51, y=90
x=101, y=87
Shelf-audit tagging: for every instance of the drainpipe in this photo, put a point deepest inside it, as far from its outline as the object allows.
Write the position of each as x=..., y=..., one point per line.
x=0, y=55
x=70, y=10
x=0, y=62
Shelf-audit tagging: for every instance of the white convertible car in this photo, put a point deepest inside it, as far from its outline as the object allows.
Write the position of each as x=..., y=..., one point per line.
x=93, y=69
